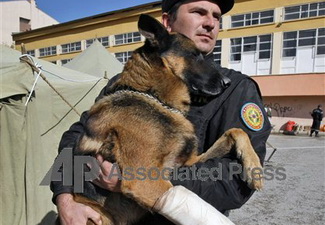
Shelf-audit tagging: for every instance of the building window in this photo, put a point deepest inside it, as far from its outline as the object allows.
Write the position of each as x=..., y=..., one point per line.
x=31, y=52
x=253, y=18
x=127, y=38
x=123, y=56
x=47, y=51
x=304, y=11
x=71, y=47
x=236, y=49
x=24, y=24
x=289, y=44
x=103, y=40
x=249, y=44
x=321, y=42
x=217, y=52
x=89, y=42
x=265, y=46
x=303, y=38
x=65, y=61
x=262, y=45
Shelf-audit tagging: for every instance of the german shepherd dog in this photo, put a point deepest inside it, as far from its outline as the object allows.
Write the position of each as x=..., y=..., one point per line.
x=143, y=124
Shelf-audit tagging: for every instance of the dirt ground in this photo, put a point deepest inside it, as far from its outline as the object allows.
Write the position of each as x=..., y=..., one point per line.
x=295, y=193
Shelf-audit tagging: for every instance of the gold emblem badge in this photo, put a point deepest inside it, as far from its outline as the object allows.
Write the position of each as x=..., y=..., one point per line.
x=252, y=116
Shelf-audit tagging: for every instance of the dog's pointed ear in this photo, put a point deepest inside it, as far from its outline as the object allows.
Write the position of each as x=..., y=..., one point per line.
x=154, y=32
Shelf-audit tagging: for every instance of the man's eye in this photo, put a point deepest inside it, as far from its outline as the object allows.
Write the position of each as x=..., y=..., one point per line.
x=198, y=12
x=217, y=17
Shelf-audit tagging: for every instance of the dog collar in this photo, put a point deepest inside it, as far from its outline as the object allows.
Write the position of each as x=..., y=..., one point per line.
x=173, y=110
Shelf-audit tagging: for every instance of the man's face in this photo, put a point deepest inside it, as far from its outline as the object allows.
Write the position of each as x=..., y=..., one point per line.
x=199, y=21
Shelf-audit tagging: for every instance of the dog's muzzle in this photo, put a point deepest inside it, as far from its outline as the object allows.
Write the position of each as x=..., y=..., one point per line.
x=225, y=82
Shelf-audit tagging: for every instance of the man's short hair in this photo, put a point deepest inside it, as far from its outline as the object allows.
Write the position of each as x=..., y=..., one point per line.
x=224, y=5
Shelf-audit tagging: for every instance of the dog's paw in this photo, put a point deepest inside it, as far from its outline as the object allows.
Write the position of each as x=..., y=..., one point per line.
x=253, y=174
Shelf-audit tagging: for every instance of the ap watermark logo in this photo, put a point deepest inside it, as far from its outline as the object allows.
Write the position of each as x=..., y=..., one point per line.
x=74, y=170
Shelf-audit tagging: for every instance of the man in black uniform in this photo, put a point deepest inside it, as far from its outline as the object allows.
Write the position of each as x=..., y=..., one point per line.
x=317, y=115
x=240, y=106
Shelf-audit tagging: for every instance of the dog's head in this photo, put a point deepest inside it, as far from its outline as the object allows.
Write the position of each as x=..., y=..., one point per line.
x=180, y=55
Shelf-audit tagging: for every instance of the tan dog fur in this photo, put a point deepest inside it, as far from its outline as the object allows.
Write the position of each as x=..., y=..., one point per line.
x=138, y=132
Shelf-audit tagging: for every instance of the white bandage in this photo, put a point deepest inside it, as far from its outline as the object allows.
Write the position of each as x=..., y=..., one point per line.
x=183, y=207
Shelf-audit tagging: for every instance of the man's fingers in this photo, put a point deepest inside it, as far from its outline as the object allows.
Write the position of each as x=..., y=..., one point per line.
x=100, y=158
x=108, y=175
x=98, y=183
x=94, y=216
x=106, y=168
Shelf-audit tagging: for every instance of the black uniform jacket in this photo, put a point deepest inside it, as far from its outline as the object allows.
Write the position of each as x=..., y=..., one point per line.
x=211, y=120
x=317, y=115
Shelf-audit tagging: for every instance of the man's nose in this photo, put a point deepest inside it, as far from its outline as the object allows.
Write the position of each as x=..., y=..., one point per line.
x=209, y=22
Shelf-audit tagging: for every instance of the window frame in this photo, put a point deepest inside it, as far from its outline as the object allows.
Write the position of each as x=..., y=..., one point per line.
x=298, y=41
x=304, y=11
x=71, y=47
x=65, y=61
x=237, y=47
x=105, y=43
x=48, y=51
x=252, y=19
x=124, y=56
x=318, y=38
x=217, y=50
x=127, y=38
x=31, y=52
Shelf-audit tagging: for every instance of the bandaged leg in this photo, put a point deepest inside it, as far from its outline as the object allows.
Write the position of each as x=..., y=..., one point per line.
x=183, y=207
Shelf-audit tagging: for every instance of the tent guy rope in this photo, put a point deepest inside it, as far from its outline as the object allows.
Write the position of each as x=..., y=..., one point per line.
x=37, y=68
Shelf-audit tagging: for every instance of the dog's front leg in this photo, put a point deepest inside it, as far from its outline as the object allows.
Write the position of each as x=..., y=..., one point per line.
x=106, y=217
x=145, y=192
x=236, y=138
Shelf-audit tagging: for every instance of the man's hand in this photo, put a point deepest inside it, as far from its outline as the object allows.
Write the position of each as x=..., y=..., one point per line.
x=104, y=180
x=74, y=213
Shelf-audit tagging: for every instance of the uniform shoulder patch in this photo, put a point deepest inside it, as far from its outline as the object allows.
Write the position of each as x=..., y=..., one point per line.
x=252, y=116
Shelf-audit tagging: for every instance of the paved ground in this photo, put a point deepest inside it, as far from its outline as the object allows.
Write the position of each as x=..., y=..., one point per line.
x=300, y=197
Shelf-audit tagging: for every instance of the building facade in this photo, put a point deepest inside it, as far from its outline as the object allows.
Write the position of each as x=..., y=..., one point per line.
x=281, y=44
x=20, y=16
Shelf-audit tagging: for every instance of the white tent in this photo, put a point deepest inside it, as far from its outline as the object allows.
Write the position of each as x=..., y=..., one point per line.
x=97, y=61
x=29, y=135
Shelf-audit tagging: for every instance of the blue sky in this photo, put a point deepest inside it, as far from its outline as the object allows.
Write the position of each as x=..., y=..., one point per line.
x=67, y=10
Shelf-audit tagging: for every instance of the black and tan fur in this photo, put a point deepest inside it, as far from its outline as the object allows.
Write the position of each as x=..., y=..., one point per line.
x=138, y=132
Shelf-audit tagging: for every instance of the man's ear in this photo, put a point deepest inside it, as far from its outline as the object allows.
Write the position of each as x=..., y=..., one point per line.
x=165, y=19
x=154, y=32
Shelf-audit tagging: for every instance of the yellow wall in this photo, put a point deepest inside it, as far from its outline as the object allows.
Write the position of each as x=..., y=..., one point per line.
x=243, y=6
x=84, y=29
x=126, y=21
x=302, y=24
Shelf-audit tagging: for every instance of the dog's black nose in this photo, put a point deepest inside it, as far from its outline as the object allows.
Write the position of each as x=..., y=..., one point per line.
x=225, y=82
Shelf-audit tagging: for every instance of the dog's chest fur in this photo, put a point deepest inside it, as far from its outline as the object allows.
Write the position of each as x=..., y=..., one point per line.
x=143, y=123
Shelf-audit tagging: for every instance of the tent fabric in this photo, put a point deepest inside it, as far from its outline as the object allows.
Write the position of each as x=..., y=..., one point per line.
x=11, y=81
x=29, y=135
x=97, y=61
